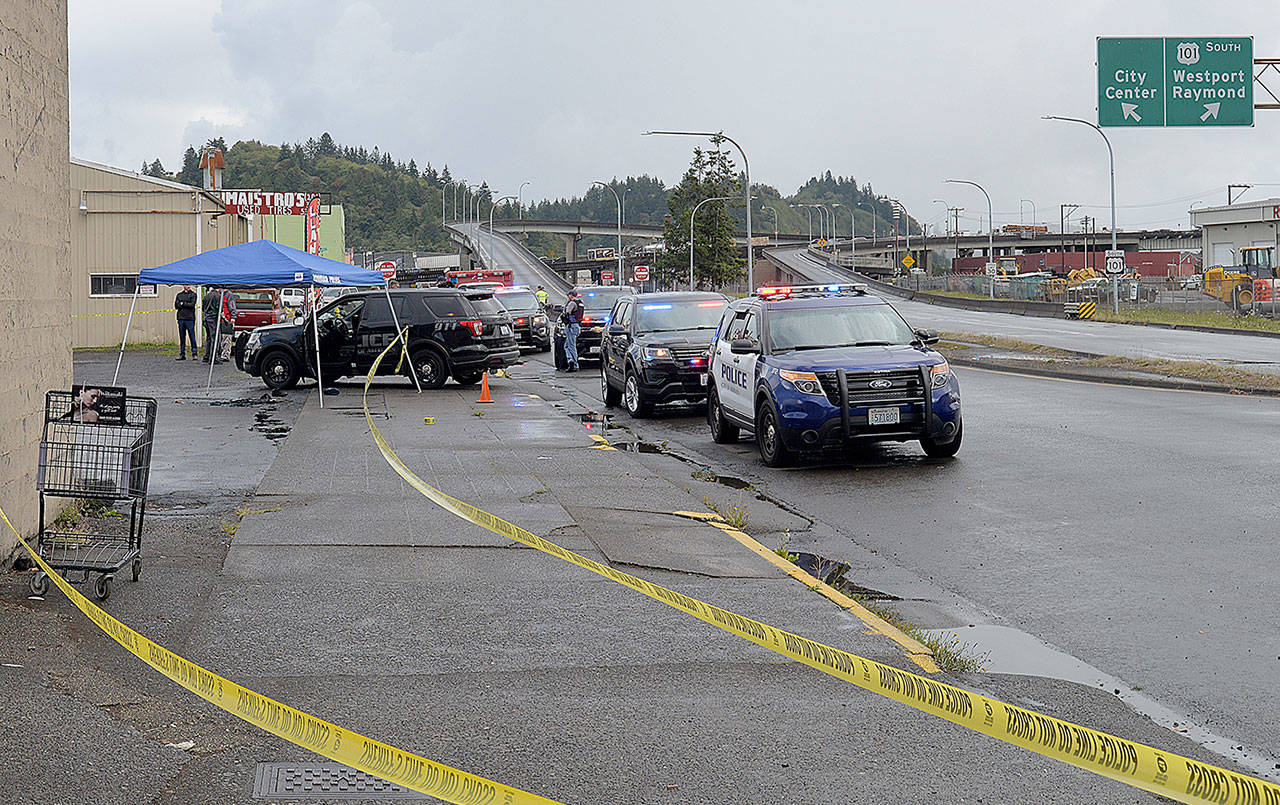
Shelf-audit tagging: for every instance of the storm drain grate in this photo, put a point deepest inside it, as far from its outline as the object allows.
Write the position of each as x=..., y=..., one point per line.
x=325, y=781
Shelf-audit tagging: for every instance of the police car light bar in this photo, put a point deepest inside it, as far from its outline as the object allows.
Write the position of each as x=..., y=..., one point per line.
x=784, y=291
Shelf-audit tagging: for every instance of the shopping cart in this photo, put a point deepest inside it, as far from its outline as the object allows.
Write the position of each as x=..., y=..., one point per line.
x=106, y=460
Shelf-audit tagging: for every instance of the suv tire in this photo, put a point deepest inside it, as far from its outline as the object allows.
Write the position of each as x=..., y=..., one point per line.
x=467, y=378
x=278, y=370
x=773, y=452
x=431, y=368
x=633, y=398
x=722, y=430
x=933, y=449
x=608, y=394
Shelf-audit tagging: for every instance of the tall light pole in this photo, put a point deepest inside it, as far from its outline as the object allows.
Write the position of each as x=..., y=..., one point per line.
x=695, y=212
x=618, y=199
x=625, y=191
x=906, y=224
x=520, y=200
x=1022, y=201
x=491, y=206
x=455, y=197
x=991, y=250
x=1115, y=280
x=805, y=207
x=776, y=225
x=874, y=239
x=832, y=236
x=853, y=233
x=946, y=222
x=746, y=169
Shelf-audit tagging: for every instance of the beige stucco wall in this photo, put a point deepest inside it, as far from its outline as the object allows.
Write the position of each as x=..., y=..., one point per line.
x=35, y=308
x=131, y=222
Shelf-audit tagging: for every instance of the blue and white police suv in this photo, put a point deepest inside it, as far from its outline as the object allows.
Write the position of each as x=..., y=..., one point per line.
x=819, y=366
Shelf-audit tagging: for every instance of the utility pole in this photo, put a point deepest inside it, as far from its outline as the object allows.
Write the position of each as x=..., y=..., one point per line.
x=1062, y=232
x=955, y=229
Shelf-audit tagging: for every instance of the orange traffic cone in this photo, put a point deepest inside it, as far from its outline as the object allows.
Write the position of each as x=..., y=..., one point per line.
x=484, y=389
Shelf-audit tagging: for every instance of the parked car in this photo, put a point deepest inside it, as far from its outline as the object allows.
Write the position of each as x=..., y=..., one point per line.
x=256, y=307
x=452, y=333
x=654, y=349
x=294, y=299
x=530, y=320
x=597, y=301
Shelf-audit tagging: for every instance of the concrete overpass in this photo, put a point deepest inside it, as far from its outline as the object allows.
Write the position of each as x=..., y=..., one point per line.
x=573, y=231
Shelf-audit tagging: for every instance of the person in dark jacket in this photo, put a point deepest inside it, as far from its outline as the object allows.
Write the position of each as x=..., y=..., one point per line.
x=210, y=312
x=573, y=313
x=185, y=302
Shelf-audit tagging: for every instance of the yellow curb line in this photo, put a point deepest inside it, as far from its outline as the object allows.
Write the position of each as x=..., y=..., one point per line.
x=601, y=443
x=916, y=651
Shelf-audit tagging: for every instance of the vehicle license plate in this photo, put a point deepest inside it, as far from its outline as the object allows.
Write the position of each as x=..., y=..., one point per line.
x=702, y=378
x=883, y=416
x=504, y=330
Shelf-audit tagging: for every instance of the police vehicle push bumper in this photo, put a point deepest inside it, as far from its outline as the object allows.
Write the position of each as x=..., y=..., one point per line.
x=673, y=374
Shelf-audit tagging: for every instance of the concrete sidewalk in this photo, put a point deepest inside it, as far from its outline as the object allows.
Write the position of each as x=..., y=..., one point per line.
x=348, y=595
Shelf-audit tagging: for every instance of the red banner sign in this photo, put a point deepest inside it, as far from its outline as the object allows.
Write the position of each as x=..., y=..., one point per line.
x=257, y=202
x=313, y=225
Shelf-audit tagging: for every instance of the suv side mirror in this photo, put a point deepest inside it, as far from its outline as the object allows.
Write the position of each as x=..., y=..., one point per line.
x=556, y=309
x=927, y=336
x=617, y=329
x=743, y=346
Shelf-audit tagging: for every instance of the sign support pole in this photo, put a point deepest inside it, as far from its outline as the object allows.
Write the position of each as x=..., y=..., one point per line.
x=315, y=325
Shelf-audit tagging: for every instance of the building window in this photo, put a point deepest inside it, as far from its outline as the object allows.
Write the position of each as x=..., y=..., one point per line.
x=118, y=285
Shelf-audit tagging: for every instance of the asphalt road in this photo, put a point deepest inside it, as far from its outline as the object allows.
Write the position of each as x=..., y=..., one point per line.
x=1252, y=352
x=499, y=251
x=1131, y=529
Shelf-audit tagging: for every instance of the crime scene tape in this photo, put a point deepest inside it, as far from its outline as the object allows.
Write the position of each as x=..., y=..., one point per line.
x=295, y=726
x=1127, y=761
x=124, y=313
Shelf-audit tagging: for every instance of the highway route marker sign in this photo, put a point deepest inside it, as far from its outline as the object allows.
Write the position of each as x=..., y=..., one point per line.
x=908, y=261
x=1175, y=81
x=991, y=269
x=1115, y=262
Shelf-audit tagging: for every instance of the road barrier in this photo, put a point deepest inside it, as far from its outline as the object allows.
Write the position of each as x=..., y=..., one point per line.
x=1080, y=310
x=1129, y=762
x=295, y=726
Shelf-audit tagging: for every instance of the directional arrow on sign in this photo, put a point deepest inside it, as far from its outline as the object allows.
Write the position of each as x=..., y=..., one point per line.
x=1210, y=111
x=1131, y=111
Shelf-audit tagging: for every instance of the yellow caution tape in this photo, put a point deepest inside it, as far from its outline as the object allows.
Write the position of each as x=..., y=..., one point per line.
x=1129, y=762
x=305, y=730
x=125, y=313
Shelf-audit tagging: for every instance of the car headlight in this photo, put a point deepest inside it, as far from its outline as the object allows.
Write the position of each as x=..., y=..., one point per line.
x=941, y=374
x=539, y=319
x=655, y=353
x=253, y=342
x=803, y=382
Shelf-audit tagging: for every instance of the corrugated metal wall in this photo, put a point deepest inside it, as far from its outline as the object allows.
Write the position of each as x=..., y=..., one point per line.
x=131, y=224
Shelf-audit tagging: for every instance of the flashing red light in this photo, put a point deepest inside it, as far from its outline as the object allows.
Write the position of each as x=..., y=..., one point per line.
x=586, y=319
x=711, y=304
x=520, y=320
x=697, y=361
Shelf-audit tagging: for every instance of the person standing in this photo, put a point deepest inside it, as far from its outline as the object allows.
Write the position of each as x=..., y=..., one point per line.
x=228, y=326
x=185, y=302
x=541, y=295
x=573, y=313
x=209, y=313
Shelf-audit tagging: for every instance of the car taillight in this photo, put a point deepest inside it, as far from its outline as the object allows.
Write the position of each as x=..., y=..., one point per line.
x=520, y=320
x=476, y=327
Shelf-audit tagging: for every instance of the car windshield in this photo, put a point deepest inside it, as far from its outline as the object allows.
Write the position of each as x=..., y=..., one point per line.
x=487, y=304
x=847, y=326
x=690, y=314
x=517, y=300
x=603, y=298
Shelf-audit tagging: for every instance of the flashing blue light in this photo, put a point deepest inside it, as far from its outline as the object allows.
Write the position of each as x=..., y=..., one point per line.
x=591, y=293
x=833, y=288
x=655, y=307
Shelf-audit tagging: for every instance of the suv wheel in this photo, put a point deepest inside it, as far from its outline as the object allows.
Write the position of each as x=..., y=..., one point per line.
x=769, y=438
x=279, y=371
x=933, y=449
x=430, y=367
x=608, y=393
x=722, y=430
x=633, y=398
x=467, y=378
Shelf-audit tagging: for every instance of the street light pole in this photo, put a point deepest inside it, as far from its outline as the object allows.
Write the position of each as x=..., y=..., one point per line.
x=853, y=233
x=776, y=225
x=1022, y=201
x=805, y=207
x=746, y=169
x=491, y=206
x=1115, y=281
x=520, y=200
x=695, y=212
x=624, y=205
x=618, y=199
x=874, y=238
x=991, y=249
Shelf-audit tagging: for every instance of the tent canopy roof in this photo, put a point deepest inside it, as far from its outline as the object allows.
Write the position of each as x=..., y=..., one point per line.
x=259, y=263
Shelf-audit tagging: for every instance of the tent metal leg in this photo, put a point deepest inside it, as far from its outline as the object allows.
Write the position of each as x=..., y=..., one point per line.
x=217, y=347
x=413, y=371
x=315, y=325
x=124, y=340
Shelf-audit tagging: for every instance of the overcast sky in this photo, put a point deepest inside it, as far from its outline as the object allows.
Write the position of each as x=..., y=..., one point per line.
x=556, y=93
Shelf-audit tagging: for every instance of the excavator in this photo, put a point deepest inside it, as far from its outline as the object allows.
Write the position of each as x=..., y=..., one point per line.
x=1254, y=280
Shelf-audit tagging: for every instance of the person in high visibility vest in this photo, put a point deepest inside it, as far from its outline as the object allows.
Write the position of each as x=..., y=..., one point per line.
x=541, y=295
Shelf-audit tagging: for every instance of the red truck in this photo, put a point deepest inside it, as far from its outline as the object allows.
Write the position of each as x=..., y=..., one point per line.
x=256, y=307
x=505, y=276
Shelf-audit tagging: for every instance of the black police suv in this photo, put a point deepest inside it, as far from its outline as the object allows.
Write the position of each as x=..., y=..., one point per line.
x=597, y=301
x=452, y=333
x=530, y=320
x=654, y=350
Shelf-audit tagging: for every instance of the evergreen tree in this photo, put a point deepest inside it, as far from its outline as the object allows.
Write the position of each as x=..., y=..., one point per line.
x=326, y=147
x=190, y=173
x=431, y=176
x=412, y=170
x=711, y=174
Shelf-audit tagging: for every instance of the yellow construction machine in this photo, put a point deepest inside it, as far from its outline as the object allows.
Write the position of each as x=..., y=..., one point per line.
x=1234, y=285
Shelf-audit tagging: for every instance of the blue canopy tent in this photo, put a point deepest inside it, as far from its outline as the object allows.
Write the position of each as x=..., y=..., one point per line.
x=256, y=264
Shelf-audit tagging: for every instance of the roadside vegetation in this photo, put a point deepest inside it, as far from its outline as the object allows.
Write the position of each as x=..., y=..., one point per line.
x=1203, y=318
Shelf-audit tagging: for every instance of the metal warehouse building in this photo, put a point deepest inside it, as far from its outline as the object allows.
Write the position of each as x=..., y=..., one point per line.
x=1229, y=229
x=121, y=223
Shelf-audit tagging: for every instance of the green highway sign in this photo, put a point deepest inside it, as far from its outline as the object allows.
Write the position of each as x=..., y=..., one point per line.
x=1175, y=81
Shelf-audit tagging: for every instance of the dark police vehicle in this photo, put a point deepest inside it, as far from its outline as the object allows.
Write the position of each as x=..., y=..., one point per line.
x=530, y=320
x=597, y=301
x=808, y=367
x=654, y=349
x=451, y=333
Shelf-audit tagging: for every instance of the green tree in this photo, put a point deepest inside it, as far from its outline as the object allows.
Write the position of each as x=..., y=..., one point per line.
x=190, y=173
x=716, y=262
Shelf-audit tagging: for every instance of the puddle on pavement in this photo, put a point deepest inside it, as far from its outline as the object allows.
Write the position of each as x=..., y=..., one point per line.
x=275, y=430
x=832, y=572
x=1013, y=651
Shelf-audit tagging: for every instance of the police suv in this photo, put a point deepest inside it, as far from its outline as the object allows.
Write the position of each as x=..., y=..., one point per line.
x=816, y=366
